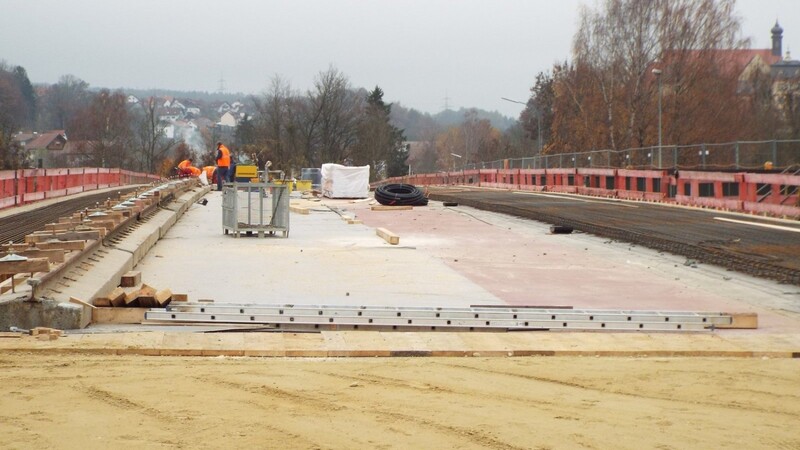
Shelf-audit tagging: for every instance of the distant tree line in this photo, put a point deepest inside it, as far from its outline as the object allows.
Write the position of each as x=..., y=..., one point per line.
x=607, y=96
x=627, y=54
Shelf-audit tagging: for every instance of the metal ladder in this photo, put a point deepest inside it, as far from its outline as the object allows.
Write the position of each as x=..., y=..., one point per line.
x=484, y=318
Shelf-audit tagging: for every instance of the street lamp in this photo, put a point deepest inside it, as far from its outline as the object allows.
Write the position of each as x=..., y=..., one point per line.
x=538, y=122
x=454, y=161
x=657, y=73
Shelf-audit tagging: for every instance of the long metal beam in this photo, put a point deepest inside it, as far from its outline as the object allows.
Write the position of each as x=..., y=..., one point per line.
x=318, y=317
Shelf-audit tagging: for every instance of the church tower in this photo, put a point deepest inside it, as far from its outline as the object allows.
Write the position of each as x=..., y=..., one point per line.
x=777, y=40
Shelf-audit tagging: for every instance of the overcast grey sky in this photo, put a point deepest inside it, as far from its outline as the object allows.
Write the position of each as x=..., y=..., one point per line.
x=420, y=52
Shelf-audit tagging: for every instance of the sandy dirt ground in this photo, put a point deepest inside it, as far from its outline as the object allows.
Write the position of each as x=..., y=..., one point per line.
x=69, y=401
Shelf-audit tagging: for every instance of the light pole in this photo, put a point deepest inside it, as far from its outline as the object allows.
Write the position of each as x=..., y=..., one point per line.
x=538, y=122
x=657, y=73
x=454, y=161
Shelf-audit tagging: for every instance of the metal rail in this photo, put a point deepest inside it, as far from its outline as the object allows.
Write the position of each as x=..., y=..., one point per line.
x=15, y=227
x=316, y=317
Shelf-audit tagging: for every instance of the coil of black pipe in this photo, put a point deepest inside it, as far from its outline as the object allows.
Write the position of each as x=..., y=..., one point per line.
x=400, y=195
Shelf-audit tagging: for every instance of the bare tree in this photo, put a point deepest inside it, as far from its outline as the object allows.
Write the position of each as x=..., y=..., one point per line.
x=151, y=139
x=62, y=101
x=607, y=96
x=332, y=118
x=105, y=126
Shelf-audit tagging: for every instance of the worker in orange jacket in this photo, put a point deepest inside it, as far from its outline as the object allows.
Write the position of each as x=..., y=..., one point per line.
x=223, y=164
x=209, y=170
x=186, y=169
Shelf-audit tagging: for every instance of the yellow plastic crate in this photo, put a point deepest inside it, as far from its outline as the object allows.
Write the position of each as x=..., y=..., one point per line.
x=303, y=185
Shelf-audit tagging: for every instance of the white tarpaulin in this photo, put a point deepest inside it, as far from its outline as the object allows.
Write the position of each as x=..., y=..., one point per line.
x=345, y=182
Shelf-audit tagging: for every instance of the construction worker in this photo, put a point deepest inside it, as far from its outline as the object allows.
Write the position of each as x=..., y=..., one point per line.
x=209, y=170
x=223, y=164
x=186, y=169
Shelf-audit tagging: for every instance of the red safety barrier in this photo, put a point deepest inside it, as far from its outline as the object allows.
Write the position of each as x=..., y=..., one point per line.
x=18, y=187
x=775, y=194
x=488, y=177
x=597, y=182
x=772, y=194
x=719, y=190
x=561, y=180
x=642, y=184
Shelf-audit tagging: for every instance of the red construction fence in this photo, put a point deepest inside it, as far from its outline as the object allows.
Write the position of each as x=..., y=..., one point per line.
x=18, y=187
x=775, y=194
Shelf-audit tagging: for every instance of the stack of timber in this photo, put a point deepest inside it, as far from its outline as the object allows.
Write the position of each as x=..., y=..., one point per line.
x=128, y=301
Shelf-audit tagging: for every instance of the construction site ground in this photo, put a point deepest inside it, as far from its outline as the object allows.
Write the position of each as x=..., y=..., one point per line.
x=147, y=386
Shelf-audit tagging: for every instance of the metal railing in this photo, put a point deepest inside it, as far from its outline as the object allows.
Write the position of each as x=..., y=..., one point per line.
x=744, y=155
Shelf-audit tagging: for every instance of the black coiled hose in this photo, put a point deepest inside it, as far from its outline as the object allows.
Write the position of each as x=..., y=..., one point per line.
x=400, y=195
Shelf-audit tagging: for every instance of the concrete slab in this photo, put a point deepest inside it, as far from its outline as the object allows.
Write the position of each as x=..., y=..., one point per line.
x=324, y=260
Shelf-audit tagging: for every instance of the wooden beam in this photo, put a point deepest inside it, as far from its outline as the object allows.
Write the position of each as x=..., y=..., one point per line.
x=743, y=321
x=118, y=315
x=163, y=297
x=31, y=265
x=63, y=245
x=131, y=279
x=391, y=208
x=388, y=236
x=80, y=302
x=54, y=256
x=66, y=236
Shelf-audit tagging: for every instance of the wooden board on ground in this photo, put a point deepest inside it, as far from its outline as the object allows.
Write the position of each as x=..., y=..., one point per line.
x=388, y=236
x=745, y=321
x=118, y=315
x=391, y=208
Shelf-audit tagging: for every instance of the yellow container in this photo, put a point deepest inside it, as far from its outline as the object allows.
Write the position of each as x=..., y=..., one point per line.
x=288, y=184
x=246, y=171
x=303, y=185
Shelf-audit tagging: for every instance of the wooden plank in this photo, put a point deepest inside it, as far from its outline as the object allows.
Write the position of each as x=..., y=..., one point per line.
x=10, y=334
x=391, y=208
x=163, y=297
x=117, y=297
x=118, y=315
x=15, y=248
x=388, y=236
x=63, y=245
x=131, y=279
x=66, y=236
x=80, y=302
x=147, y=290
x=132, y=299
x=53, y=256
x=298, y=210
x=743, y=321
x=180, y=297
x=31, y=265
x=59, y=227
x=102, y=302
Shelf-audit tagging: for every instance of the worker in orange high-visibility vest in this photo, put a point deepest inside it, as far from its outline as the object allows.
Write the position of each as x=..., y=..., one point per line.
x=223, y=163
x=186, y=169
x=209, y=170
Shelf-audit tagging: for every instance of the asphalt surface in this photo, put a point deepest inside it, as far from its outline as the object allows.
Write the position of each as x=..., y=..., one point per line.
x=758, y=246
